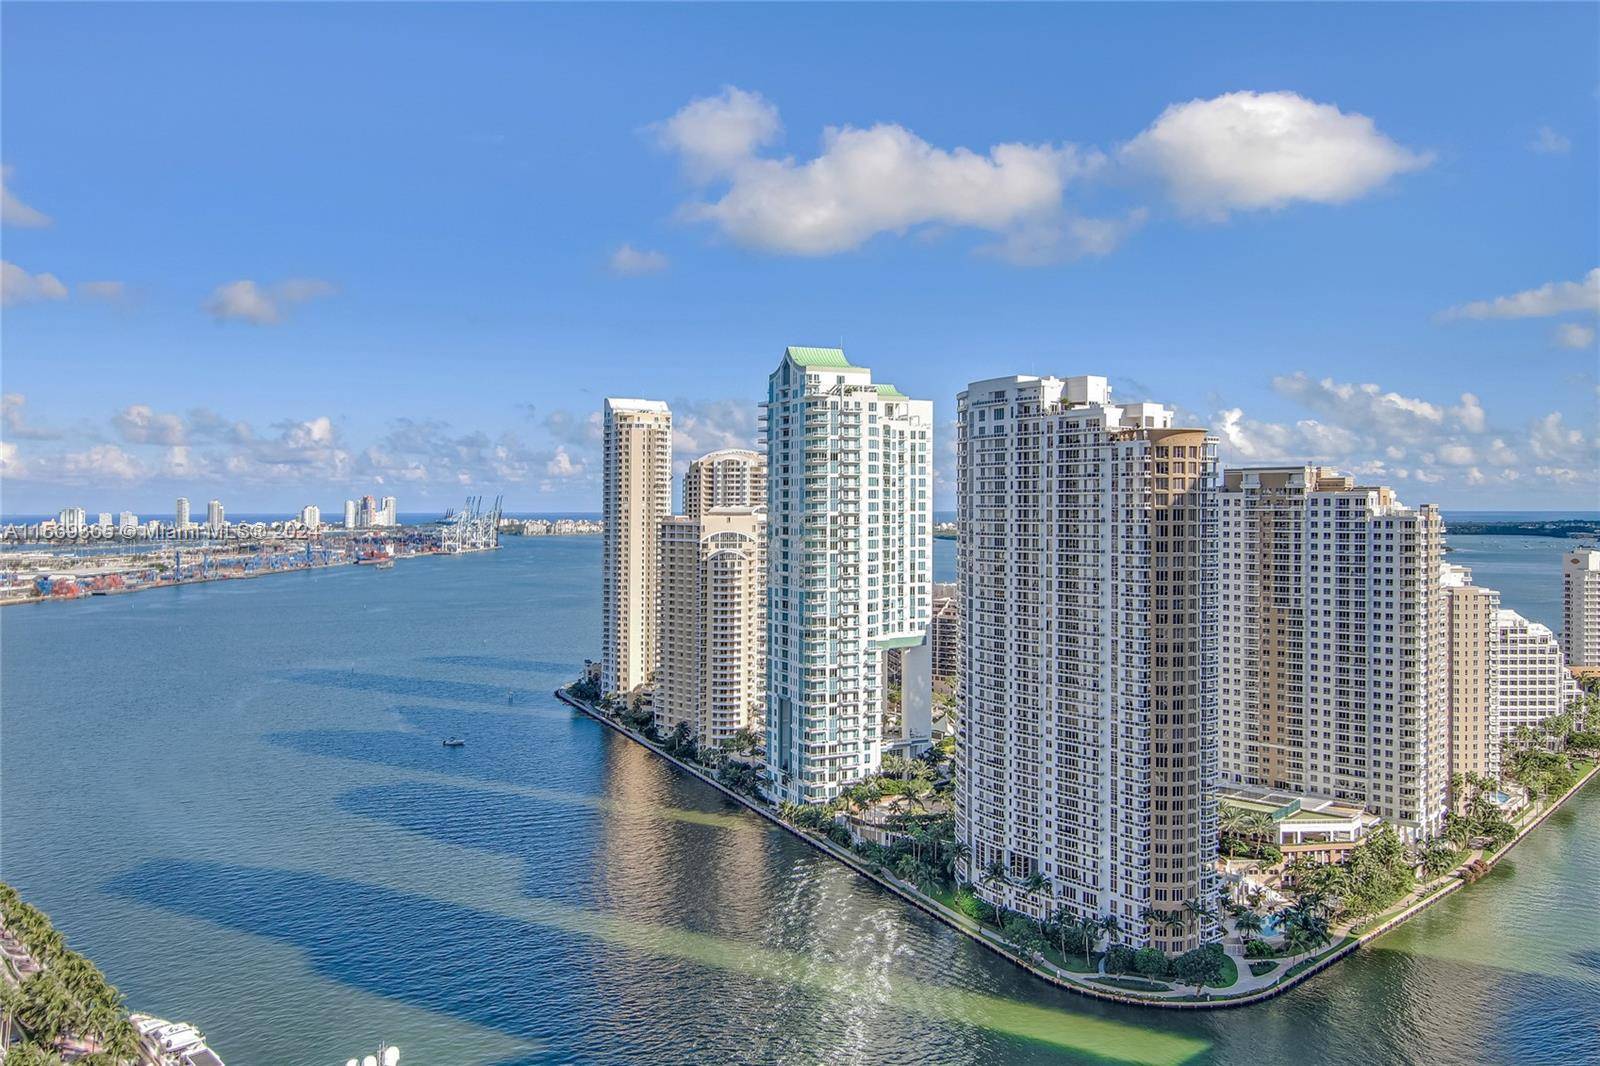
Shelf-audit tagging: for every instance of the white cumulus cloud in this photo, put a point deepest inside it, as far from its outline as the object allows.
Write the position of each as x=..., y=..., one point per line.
x=1574, y=335
x=1250, y=151
x=140, y=424
x=263, y=305
x=13, y=212
x=1548, y=142
x=630, y=262
x=17, y=286
x=864, y=182
x=1551, y=298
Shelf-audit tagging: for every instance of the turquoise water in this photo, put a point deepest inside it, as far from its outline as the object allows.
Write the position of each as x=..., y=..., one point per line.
x=235, y=799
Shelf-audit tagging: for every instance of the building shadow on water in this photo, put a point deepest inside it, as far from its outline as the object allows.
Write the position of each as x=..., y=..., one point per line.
x=428, y=688
x=531, y=980
x=563, y=671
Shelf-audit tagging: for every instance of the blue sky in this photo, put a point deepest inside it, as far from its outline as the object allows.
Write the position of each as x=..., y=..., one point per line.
x=285, y=254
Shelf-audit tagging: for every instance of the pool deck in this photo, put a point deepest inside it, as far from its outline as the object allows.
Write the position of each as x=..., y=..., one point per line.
x=1248, y=990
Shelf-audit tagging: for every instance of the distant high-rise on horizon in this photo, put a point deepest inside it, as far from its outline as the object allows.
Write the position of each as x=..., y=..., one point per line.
x=1580, y=607
x=636, y=498
x=215, y=516
x=181, y=515
x=351, y=516
x=1087, y=733
x=849, y=556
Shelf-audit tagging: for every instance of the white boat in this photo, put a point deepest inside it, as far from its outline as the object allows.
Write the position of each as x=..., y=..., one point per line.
x=164, y=1043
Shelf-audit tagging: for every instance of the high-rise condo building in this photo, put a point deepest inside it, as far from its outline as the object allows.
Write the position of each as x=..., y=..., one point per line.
x=637, y=497
x=713, y=674
x=351, y=515
x=1532, y=677
x=849, y=556
x=127, y=520
x=311, y=516
x=730, y=477
x=74, y=518
x=1087, y=737
x=1335, y=643
x=181, y=516
x=1474, y=696
x=389, y=511
x=1580, y=607
x=215, y=517
x=945, y=632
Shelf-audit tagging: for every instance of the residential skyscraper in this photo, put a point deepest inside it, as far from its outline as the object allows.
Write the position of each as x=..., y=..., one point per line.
x=388, y=510
x=730, y=477
x=1580, y=607
x=1474, y=698
x=311, y=516
x=74, y=518
x=1532, y=680
x=181, y=516
x=1335, y=637
x=351, y=515
x=1087, y=737
x=945, y=631
x=713, y=624
x=127, y=520
x=215, y=517
x=637, y=497
x=849, y=555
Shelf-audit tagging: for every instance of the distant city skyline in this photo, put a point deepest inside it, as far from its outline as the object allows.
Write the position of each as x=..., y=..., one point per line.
x=368, y=287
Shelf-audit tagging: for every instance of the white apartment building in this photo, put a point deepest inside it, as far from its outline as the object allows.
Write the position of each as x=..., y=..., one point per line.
x=1473, y=661
x=713, y=627
x=1580, y=607
x=637, y=497
x=311, y=516
x=1532, y=677
x=388, y=512
x=1335, y=637
x=1087, y=737
x=729, y=477
x=127, y=520
x=849, y=556
x=215, y=516
x=73, y=518
x=181, y=515
x=350, y=514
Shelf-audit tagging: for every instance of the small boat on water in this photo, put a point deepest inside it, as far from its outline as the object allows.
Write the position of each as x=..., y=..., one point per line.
x=384, y=564
x=455, y=742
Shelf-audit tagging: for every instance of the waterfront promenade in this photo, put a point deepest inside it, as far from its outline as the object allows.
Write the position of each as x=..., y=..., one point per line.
x=1247, y=989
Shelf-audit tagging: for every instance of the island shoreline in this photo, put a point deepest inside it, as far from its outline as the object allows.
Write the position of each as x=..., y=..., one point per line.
x=975, y=932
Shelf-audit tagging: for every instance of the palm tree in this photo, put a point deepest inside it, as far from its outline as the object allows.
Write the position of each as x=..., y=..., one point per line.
x=1112, y=925
x=1197, y=910
x=995, y=873
x=1248, y=925
x=11, y=1002
x=1035, y=883
x=1088, y=928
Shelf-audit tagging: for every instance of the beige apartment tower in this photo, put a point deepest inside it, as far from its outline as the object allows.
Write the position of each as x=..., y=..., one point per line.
x=1335, y=643
x=730, y=477
x=1087, y=573
x=713, y=673
x=637, y=497
x=1473, y=674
